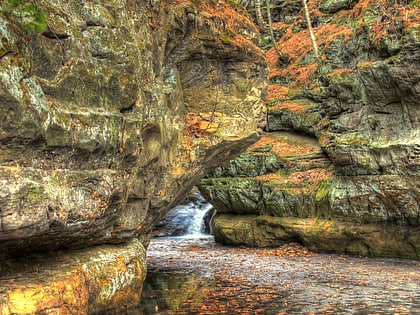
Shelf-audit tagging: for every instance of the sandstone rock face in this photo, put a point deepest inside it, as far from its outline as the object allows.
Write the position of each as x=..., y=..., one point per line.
x=113, y=113
x=91, y=280
x=358, y=191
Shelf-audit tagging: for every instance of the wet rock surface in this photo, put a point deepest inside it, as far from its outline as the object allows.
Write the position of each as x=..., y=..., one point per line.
x=197, y=277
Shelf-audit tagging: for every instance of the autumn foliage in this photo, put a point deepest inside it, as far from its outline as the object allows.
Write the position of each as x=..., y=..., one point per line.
x=283, y=149
x=236, y=24
x=345, y=24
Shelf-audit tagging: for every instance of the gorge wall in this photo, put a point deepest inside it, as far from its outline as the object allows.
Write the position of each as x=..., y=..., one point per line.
x=107, y=119
x=338, y=167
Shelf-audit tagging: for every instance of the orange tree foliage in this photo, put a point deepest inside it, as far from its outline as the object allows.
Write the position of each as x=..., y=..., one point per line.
x=296, y=47
x=282, y=148
x=291, y=105
x=236, y=22
x=297, y=182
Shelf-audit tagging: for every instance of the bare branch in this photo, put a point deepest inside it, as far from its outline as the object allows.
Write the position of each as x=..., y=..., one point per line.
x=283, y=58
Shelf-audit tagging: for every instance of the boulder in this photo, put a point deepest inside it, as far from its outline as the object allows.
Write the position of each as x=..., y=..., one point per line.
x=115, y=113
x=327, y=236
x=93, y=280
x=332, y=6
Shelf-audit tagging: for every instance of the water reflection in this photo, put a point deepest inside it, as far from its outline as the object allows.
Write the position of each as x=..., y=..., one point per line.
x=172, y=291
x=195, y=276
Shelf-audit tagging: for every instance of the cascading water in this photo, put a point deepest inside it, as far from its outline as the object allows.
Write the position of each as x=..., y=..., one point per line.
x=197, y=226
x=186, y=220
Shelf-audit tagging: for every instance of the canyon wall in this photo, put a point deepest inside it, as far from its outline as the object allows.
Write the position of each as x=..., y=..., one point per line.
x=338, y=167
x=109, y=116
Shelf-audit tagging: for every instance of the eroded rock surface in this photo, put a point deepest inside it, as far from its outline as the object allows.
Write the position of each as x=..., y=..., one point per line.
x=360, y=106
x=91, y=280
x=113, y=113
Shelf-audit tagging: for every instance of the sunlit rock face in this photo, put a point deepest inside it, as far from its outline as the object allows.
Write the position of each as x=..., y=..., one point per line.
x=91, y=280
x=112, y=114
x=339, y=167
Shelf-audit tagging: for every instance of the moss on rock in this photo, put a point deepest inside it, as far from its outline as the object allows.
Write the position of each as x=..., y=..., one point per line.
x=319, y=235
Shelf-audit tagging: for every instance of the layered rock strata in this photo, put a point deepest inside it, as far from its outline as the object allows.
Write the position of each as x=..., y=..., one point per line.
x=360, y=104
x=108, y=118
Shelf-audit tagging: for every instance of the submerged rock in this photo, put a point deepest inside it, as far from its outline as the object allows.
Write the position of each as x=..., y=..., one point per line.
x=111, y=115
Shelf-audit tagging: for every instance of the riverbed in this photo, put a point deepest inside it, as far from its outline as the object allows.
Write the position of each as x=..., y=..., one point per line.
x=197, y=276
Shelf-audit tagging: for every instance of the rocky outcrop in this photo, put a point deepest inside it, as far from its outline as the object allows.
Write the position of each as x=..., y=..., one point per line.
x=93, y=280
x=108, y=118
x=360, y=104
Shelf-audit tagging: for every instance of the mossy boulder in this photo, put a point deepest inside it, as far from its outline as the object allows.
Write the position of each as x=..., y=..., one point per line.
x=87, y=281
x=333, y=6
x=328, y=236
x=109, y=119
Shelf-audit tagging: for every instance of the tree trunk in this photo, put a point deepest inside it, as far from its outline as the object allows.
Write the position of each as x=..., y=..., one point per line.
x=283, y=57
x=260, y=19
x=311, y=33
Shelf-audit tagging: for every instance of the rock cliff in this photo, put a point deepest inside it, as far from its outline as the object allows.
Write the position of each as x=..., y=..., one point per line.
x=338, y=169
x=108, y=118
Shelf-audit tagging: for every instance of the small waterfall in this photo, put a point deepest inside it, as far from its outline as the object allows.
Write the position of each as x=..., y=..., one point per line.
x=186, y=220
x=199, y=212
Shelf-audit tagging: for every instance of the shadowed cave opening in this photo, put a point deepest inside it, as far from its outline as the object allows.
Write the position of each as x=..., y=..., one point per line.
x=191, y=218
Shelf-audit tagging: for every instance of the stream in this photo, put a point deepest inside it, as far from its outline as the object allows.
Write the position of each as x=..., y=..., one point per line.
x=194, y=275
